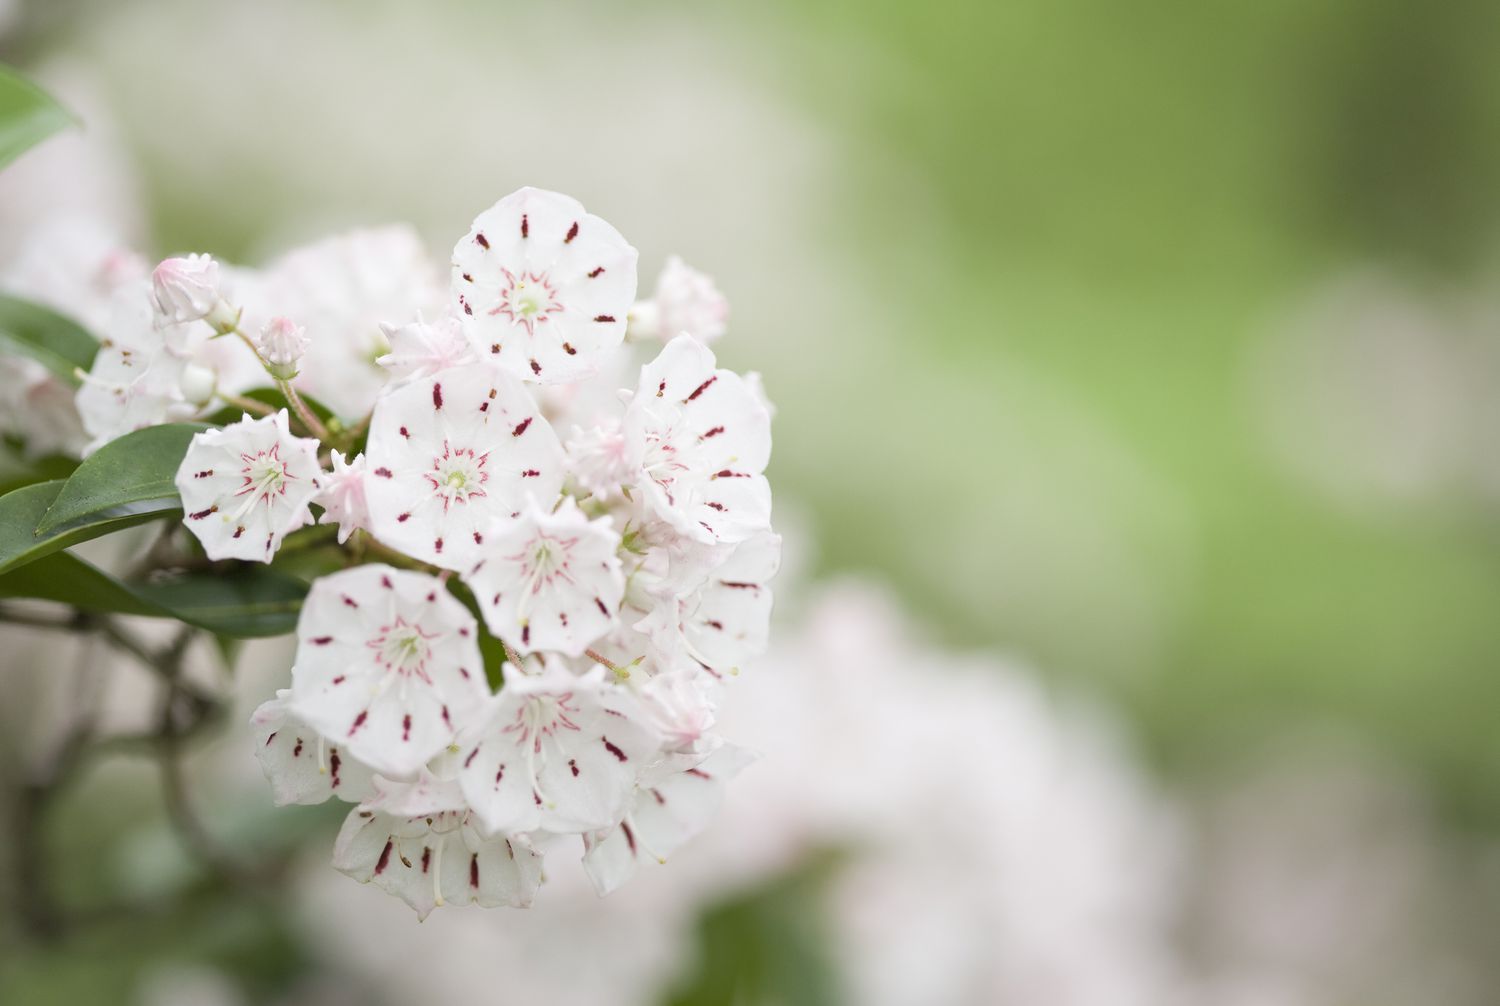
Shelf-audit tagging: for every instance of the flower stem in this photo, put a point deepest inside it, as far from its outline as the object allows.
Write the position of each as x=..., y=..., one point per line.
x=313, y=423
x=248, y=404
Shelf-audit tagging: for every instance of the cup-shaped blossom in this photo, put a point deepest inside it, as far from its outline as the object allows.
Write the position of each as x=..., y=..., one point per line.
x=387, y=665
x=700, y=438
x=725, y=618
x=543, y=286
x=437, y=859
x=663, y=815
x=550, y=581
x=300, y=764
x=344, y=495
x=686, y=303
x=246, y=486
x=557, y=752
x=452, y=454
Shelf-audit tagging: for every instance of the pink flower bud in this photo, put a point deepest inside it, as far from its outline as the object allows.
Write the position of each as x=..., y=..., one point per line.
x=282, y=343
x=185, y=289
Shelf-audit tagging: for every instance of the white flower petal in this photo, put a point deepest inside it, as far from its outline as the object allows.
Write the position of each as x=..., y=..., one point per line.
x=544, y=287
x=550, y=581
x=702, y=440
x=444, y=862
x=246, y=486
x=662, y=818
x=452, y=454
x=300, y=765
x=559, y=753
x=388, y=665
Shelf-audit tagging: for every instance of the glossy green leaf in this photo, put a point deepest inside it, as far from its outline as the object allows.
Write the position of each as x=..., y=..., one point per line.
x=65, y=578
x=248, y=601
x=28, y=115
x=21, y=509
x=57, y=342
x=125, y=482
x=17, y=471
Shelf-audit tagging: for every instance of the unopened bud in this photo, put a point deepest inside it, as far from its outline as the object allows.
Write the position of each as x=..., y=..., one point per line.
x=282, y=344
x=187, y=289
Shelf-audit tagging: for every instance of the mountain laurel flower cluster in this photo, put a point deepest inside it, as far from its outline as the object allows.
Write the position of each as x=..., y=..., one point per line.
x=525, y=590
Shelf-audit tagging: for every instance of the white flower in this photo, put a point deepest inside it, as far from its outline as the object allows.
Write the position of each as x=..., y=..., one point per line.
x=186, y=290
x=452, y=454
x=282, y=343
x=686, y=303
x=701, y=439
x=73, y=264
x=663, y=816
x=556, y=752
x=138, y=378
x=549, y=581
x=39, y=407
x=599, y=460
x=544, y=286
x=387, y=664
x=679, y=708
x=437, y=859
x=343, y=289
x=725, y=619
x=419, y=349
x=299, y=764
x=246, y=486
x=343, y=495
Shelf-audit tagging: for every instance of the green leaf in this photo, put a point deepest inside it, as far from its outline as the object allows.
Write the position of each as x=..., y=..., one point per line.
x=127, y=481
x=58, y=343
x=242, y=601
x=21, y=509
x=65, y=578
x=248, y=601
x=17, y=471
x=28, y=115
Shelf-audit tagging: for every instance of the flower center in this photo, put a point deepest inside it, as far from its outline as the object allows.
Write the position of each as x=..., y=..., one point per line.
x=458, y=475
x=264, y=476
x=542, y=716
x=402, y=648
x=527, y=299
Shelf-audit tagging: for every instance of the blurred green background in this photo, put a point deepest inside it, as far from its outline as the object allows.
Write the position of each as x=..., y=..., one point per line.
x=1029, y=283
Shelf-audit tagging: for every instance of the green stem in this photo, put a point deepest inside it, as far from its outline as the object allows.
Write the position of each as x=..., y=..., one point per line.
x=313, y=423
